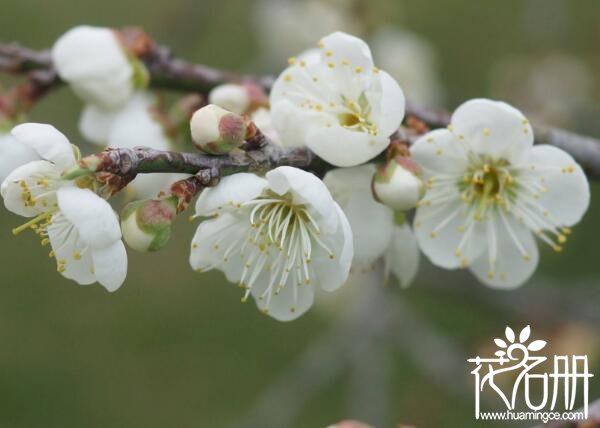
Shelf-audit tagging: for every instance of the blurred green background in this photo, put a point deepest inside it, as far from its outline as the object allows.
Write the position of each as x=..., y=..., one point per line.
x=175, y=348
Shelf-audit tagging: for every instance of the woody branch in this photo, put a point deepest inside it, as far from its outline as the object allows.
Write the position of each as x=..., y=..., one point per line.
x=169, y=72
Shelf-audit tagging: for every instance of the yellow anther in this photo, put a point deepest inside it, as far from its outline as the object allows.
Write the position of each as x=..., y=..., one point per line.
x=287, y=78
x=331, y=64
x=490, y=275
x=486, y=132
x=526, y=257
x=562, y=239
x=77, y=255
x=557, y=248
x=376, y=70
x=358, y=69
x=328, y=53
x=291, y=60
x=302, y=63
x=345, y=62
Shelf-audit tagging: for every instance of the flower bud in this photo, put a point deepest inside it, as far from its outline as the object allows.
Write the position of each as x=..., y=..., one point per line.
x=397, y=184
x=146, y=225
x=217, y=131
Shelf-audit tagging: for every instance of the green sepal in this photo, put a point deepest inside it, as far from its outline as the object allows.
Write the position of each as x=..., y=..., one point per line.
x=160, y=239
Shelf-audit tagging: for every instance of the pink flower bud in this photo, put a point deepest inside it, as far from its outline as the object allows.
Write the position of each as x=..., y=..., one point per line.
x=216, y=130
x=146, y=225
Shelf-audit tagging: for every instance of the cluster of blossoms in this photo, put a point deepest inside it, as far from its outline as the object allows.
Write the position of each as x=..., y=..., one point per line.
x=481, y=190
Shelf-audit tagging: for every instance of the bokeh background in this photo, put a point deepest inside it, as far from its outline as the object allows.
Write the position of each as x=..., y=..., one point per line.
x=175, y=348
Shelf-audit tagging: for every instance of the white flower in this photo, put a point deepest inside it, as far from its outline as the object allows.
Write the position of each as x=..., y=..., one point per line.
x=29, y=188
x=232, y=97
x=490, y=191
x=379, y=243
x=412, y=61
x=279, y=237
x=93, y=62
x=80, y=226
x=337, y=102
x=135, y=125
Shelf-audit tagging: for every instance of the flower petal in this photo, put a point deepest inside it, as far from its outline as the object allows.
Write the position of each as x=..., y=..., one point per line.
x=493, y=128
x=110, y=265
x=440, y=152
x=95, y=123
x=516, y=256
x=291, y=302
x=448, y=235
x=305, y=188
x=73, y=256
x=343, y=46
x=343, y=147
x=93, y=217
x=372, y=226
x=388, y=100
x=402, y=257
x=232, y=191
x=13, y=154
x=49, y=143
x=331, y=273
x=568, y=193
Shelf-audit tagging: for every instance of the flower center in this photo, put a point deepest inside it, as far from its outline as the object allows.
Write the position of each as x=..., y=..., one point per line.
x=357, y=116
x=282, y=239
x=487, y=183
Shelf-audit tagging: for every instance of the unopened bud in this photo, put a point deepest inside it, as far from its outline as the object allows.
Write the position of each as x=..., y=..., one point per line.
x=397, y=184
x=217, y=131
x=146, y=225
x=350, y=424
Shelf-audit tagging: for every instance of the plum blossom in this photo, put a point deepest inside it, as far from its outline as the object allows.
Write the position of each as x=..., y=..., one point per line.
x=278, y=237
x=490, y=192
x=80, y=226
x=337, y=103
x=383, y=240
x=96, y=66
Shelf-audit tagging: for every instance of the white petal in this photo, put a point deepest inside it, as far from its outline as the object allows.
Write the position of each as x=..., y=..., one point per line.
x=93, y=61
x=440, y=152
x=494, y=128
x=93, y=217
x=305, y=188
x=110, y=265
x=231, y=97
x=388, y=102
x=343, y=46
x=95, y=123
x=13, y=154
x=331, y=273
x=568, y=192
x=343, y=147
x=212, y=238
x=30, y=173
x=343, y=182
x=232, y=191
x=372, y=226
x=71, y=251
x=291, y=122
x=283, y=306
x=402, y=257
x=511, y=268
x=439, y=232
x=47, y=141
x=135, y=125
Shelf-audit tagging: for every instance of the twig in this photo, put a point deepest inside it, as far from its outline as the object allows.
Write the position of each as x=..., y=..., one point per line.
x=169, y=72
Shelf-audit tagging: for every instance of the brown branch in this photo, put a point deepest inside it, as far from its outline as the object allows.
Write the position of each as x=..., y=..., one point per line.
x=169, y=72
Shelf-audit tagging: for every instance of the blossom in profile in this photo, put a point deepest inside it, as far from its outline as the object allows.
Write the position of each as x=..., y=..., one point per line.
x=337, y=103
x=491, y=192
x=278, y=237
x=80, y=226
x=94, y=63
x=383, y=240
